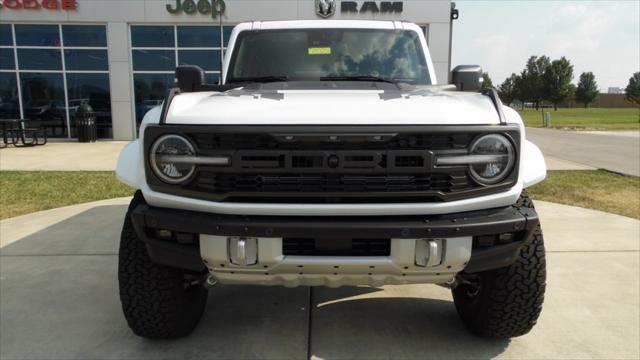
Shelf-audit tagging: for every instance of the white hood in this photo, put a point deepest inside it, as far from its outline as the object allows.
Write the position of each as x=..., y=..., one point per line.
x=332, y=107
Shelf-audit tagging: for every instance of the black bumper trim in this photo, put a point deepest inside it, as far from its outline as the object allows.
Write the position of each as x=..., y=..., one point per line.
x=180, y=256
x=496, y=256
x=485, y=222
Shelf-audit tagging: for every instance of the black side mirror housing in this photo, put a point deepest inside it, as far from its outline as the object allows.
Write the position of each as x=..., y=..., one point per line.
x=190, y=78
x=467, y=77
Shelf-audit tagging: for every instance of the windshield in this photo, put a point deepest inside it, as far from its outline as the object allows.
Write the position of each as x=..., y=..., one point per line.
x=328, y=54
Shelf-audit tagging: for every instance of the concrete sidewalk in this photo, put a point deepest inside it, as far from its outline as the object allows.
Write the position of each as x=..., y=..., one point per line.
x=59, y=299
x=63, y=156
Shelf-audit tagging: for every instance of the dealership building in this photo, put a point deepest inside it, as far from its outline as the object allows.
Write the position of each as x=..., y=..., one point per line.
x=119, y=56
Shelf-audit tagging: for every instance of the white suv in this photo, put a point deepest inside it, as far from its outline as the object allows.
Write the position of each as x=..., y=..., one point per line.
x=329, y=156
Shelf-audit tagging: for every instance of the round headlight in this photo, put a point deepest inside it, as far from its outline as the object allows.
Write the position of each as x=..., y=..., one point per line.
x=495, y=161
x=165, y=158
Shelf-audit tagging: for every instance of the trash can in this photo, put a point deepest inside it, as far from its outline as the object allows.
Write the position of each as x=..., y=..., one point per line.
x=86, y=123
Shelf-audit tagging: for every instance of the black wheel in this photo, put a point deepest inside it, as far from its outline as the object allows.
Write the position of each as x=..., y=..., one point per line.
x=505, y=302
x=159, y=302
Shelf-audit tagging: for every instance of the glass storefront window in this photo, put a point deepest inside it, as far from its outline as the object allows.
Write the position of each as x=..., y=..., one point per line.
x=6, y=37
x=7, y=61
x=156, y=52
x=86, y=60
x=37, y=35
x=43, y=101
x=150, y=90
x=84, y=35
x=92, y=89
x=154, y=60
x=39, y=59
x=9, y=104
x=208, y=60
x=152, y=36
x=198, y=36
x=52, y=87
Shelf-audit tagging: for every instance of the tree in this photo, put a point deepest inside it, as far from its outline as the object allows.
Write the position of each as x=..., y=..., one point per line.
x=633, y=89
x=531, y=84
x=508, y=90
x=557, y=81
x=486, y=81
x=587, y=90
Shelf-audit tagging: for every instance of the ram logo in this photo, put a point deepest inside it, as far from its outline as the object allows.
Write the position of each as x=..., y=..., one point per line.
x=325, y=8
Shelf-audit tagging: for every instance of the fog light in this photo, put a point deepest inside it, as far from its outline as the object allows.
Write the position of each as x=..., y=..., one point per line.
x=485, y=240
x=164, y=234
x=186, y=238
x=429, y=252
x=505, y=238
x=242, y=250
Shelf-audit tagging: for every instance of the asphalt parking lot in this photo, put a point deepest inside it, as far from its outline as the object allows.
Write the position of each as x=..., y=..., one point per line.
x=59, y=300
x=617, y=151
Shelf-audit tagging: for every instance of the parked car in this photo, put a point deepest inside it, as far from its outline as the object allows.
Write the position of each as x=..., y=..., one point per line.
x=330, y=155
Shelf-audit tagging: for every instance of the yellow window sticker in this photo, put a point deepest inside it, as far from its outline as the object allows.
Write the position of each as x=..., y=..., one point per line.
x=319, y=51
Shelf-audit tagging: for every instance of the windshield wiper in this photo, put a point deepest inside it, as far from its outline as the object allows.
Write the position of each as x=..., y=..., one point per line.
x=358, y=78
x=260, y=79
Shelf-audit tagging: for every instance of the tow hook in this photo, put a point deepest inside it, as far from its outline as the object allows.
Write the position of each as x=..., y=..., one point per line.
x=210, y=281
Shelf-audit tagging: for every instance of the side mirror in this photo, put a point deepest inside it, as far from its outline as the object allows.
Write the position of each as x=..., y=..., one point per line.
x=190, y=78
x=467, y=77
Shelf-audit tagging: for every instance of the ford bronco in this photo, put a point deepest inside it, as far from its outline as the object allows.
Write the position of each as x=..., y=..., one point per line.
x=330, y=155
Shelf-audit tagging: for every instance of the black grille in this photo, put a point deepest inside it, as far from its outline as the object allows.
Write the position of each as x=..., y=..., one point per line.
x=330, y=164
x=263, y=141
x=323, y=183
x=335, y=247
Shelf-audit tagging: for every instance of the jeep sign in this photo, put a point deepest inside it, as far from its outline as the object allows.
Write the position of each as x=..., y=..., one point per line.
x=205, y=7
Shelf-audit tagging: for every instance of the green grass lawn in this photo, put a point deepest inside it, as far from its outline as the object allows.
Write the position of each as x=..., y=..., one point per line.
x=586, y=119
x=597, y=189
x=23, y=192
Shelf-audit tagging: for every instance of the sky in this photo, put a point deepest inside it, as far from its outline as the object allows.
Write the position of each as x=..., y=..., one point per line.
x=598, y=36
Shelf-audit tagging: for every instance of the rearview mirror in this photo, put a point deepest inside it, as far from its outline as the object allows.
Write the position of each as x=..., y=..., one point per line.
x=190, y=78
x=467, y=77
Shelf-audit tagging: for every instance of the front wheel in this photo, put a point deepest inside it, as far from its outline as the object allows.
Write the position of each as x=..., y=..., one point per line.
x=159, y=302
x=505, y=302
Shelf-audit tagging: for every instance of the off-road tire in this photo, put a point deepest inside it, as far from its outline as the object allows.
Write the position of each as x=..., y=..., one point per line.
x=508, y=300
x=156, y=300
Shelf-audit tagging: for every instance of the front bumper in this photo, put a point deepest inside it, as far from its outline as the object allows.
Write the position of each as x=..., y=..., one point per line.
x=465, y=246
